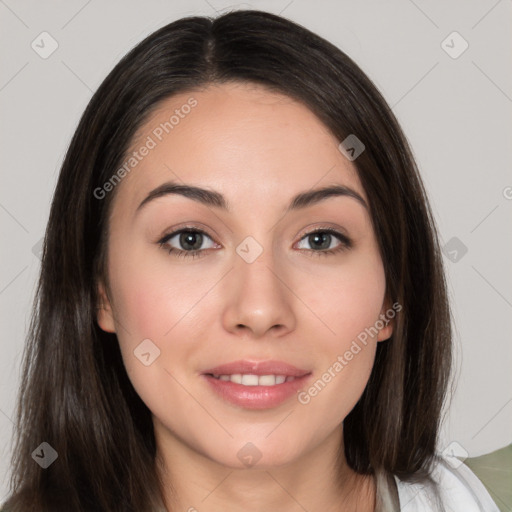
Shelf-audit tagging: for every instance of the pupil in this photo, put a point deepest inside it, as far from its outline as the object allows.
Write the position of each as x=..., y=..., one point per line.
x=193, y=239
x=321, y=239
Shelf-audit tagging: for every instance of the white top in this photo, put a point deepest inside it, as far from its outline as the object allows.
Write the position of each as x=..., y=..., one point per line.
x=460, y=490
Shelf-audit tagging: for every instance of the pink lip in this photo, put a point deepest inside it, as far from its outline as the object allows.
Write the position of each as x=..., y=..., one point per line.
x=256, y=397
x=258, y=368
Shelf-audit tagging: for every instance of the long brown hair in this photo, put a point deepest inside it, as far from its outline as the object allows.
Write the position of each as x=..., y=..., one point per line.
x=75, y=393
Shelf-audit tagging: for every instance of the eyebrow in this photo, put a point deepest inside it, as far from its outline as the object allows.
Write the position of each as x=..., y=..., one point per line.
x=217, y=200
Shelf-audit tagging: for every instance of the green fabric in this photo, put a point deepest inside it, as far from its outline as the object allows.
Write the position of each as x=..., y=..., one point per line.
x=495, y=471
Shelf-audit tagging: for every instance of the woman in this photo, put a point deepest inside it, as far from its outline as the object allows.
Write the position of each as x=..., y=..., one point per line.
x=242, y=302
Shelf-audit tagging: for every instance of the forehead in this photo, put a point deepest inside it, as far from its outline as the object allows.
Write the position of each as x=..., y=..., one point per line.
x=240, y=139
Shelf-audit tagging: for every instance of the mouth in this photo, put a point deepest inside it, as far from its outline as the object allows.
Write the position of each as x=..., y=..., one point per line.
x=251, y=379
x=256, y=385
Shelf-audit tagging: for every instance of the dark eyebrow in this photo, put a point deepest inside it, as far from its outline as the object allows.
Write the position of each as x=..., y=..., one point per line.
x=215, y=199
x=202, y=195
x=311, y=197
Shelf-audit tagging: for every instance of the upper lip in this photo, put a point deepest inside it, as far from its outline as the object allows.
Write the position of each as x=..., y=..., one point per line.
x=257, y=368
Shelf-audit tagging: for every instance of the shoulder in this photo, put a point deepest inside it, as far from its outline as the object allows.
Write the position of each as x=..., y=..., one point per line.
x=459, y=491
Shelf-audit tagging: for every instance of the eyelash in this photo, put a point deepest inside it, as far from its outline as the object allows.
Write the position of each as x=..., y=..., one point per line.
x=345, y=242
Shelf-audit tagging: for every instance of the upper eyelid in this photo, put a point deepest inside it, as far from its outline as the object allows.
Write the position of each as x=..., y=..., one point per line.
x=328, y=229
x=184, y=229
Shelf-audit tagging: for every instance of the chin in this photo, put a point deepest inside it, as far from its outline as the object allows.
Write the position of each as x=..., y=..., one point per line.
x=256, y=454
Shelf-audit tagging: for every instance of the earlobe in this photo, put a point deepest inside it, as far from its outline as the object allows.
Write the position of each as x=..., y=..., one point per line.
x=386, y=332
x=104, y=315
x=386, y=322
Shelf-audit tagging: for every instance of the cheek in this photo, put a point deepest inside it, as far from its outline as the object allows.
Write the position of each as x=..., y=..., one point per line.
x=152, y=296
x=349, y=303
x=151, y=304
x=348, y=300
x=160, y=302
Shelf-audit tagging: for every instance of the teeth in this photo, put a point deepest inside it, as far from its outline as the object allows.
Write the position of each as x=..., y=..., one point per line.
x=236, y=378
x=250, y=380
x=267, y=380
x=255, y=380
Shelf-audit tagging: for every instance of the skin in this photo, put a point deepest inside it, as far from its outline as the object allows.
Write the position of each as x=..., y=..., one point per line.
x=259, y=149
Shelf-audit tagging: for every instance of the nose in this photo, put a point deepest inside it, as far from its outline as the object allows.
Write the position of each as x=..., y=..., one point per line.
x=259, y=301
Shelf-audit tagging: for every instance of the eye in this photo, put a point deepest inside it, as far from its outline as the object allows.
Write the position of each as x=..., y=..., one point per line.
x=191, y=241
x=325, y=241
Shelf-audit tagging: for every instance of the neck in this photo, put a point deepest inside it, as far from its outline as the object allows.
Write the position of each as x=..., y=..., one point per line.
x=319, y=480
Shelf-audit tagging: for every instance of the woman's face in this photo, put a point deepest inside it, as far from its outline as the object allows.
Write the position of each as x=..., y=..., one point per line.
x=260, y=288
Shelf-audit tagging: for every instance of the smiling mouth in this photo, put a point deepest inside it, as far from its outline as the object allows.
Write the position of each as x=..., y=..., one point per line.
x=252, y=391
x=253, y=384
x=253, y=380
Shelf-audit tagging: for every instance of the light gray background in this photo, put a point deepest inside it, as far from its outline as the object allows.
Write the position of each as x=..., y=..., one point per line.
x=456, y=113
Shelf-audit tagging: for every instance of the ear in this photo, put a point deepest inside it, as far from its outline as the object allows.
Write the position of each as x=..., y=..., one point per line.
x=387, y=317
x=104, y=314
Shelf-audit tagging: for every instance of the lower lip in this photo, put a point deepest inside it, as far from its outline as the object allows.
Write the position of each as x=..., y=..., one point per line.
x=256, y=397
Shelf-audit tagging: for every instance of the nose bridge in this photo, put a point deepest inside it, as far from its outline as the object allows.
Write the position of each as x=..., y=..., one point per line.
x=258, y=300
